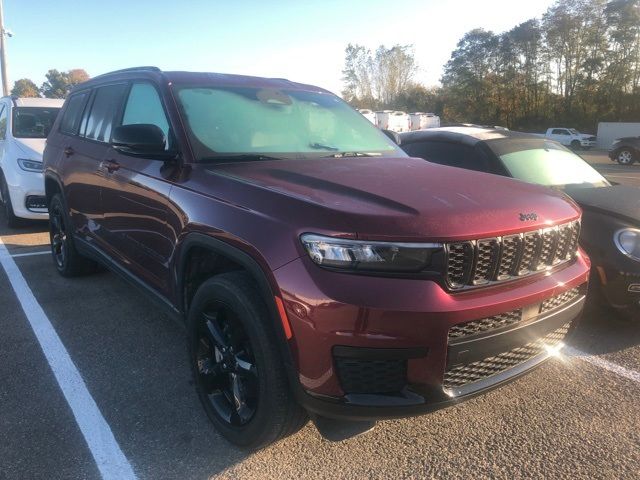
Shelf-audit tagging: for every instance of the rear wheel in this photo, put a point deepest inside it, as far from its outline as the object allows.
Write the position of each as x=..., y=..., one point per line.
x=66, y=258
x=240, y=376
x=625, y=157
x=7, y=207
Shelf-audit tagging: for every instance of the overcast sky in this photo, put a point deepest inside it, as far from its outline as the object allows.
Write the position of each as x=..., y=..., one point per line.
x=299, y=40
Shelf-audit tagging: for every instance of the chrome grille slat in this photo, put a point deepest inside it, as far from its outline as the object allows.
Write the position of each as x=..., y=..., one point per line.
x=486, y=261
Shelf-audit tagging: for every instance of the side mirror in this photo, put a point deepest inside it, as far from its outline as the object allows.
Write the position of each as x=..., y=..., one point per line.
x=395, y=138
x=140, y=140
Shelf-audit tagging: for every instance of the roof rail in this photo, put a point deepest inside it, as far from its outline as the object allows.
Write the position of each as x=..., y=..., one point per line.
x=147, y=68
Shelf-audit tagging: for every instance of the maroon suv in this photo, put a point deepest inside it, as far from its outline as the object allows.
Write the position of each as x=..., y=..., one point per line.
x=321, y=272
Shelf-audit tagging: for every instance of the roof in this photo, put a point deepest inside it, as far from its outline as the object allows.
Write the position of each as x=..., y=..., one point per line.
x=198, y=78
x=37, y=102
x=467, y=135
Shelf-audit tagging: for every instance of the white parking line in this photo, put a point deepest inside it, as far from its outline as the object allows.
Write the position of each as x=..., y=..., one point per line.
x=602, y=363
x=96, y=431
x=28, y=254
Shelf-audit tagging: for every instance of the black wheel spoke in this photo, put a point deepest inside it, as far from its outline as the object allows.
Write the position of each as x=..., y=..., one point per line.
x=213, y=331
x=245, y=368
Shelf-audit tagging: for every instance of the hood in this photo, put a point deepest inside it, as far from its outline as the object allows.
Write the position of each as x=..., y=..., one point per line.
x=32, y=148
x=619, y=200
x=381, y=198
x=586, y=136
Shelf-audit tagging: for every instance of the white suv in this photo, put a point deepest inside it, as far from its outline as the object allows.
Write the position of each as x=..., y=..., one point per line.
x=24, y=126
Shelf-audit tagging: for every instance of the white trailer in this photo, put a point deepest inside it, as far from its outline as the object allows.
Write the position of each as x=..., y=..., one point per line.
x=382, y=119
x=369, y=115
x=399, y=122
x=422, y=120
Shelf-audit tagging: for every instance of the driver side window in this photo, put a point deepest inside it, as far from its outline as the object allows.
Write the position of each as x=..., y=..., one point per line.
x=144, y=106
x=3, y=123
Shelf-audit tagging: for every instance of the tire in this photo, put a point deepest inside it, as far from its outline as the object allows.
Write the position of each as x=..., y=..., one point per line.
x=241, y=352
x=575, y=145
x=625, y=156
x=7, y=208
x=66, y=258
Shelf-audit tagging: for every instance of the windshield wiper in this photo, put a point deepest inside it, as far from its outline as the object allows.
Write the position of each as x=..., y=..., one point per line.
x=238, y=157
x=353, y=154
x=321, y=146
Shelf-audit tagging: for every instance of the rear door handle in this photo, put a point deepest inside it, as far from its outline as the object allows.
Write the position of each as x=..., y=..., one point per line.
x=110, y=165
x=69, y=151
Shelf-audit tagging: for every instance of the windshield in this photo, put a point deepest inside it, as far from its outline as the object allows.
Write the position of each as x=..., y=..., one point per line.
x=550, y=164
x=241, y=122
x=574, y=131
x=33, y=122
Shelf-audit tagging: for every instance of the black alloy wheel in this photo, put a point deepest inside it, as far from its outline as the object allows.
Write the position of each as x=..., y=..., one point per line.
x=226, y=366
x=58, y=236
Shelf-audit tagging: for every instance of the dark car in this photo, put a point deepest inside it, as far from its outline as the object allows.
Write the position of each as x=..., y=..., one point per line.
x=611, y=218
x=320, y=271
x=625, y=151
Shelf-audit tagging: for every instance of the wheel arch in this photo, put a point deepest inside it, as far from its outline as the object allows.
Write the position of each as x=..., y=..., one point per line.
x=268, y=290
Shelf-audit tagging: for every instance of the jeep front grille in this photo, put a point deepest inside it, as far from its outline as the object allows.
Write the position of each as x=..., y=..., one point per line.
x=559, y=300
x=460, y=375
x=485, y=324
x=490, y=260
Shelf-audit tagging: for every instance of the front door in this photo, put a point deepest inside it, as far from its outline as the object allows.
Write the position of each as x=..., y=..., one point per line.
x=135, y=196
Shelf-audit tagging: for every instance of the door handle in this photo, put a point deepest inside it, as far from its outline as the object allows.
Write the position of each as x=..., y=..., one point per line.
x=69, y=151
x=110, y=165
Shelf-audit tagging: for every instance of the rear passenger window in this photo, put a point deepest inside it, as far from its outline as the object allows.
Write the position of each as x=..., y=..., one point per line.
x=99, y=123
x=145, y=106
x=72, y=114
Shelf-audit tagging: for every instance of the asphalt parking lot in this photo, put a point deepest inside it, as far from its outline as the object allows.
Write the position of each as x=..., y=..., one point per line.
x=574, y=417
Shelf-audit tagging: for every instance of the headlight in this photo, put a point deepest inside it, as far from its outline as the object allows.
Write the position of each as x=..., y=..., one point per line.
x=30, y=165
x=628, y=242
x=366, y=256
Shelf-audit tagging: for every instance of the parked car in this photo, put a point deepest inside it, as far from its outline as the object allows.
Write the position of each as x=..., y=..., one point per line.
x=320, y=270
x=369, y=115
x=611, y=218
x=625, y=151
x=24, y=126
x=570, y=137
x=420, y=120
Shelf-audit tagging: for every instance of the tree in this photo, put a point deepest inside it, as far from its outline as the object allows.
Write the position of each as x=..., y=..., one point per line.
x=378, y=77
x=25, y=88
x=59, y=84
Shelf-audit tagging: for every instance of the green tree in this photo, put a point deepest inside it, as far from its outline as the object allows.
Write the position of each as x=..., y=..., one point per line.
x=58, y=84
x=25, y=88
x=377, y=77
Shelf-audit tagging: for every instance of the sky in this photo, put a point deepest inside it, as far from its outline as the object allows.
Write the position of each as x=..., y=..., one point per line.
x=300, y=40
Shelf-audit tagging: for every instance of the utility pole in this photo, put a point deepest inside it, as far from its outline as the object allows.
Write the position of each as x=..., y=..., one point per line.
x=3, y=55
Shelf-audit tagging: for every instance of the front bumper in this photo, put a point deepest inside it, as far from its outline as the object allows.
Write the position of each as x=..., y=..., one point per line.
x=25, y=191
x=621, y=289
x=588, y=143
x=333, y=313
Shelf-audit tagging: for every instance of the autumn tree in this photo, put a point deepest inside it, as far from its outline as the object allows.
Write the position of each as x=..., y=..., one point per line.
x=25, y=88
x=58, y=84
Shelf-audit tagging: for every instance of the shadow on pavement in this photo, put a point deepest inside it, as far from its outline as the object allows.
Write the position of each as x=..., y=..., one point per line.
x=601, y=331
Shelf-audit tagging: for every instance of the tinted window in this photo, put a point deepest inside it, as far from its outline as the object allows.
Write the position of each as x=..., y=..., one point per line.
x=144, y=106
x=293, y=123
x=558, y=131
x=33, y=122
x=72, y=114
x=106, y=103
x=452, y=154
x=3, y=123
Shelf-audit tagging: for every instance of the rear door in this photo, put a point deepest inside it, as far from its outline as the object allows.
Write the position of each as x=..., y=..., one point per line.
x=136, y=195
x=84, y=148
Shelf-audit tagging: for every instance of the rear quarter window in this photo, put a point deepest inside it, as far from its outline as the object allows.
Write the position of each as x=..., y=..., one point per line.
x=73, y=113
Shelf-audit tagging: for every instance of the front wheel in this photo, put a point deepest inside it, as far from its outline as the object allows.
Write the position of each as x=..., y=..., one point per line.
x=7, y=206
x=240, y=376
x=575, y=145
x=625, y=157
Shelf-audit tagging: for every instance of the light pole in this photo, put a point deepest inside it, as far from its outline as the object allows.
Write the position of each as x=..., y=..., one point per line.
x=3, y=55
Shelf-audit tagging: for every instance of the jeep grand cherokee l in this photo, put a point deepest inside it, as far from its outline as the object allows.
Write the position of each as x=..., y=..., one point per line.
x=321, y=272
